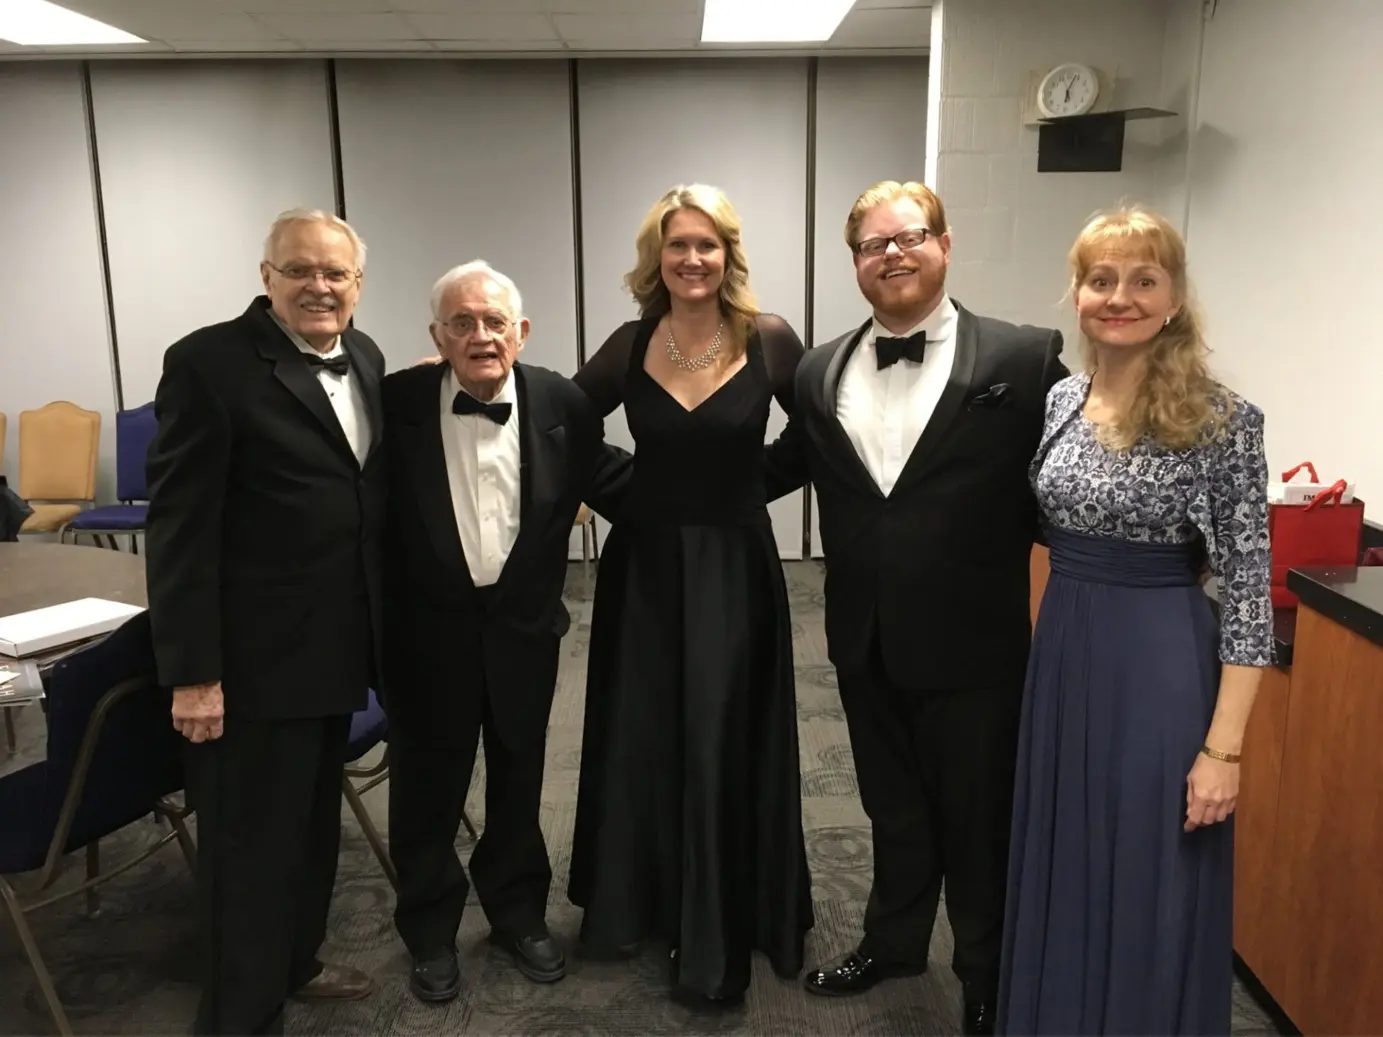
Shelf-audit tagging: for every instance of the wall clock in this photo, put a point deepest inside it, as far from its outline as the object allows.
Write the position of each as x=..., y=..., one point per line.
x=1067, y=90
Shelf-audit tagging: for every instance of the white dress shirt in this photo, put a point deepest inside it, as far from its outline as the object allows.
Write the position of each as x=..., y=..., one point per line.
x=343, y=390
x=884, y=412
x=483, y=473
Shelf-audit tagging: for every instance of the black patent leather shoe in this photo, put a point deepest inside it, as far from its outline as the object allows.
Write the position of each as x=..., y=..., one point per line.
x=436, y=977
x=854, y=974
x=537, y=957
x=979, y=1018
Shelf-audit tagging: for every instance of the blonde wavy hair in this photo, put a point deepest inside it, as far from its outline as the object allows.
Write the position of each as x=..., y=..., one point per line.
x=645, y=281
x=1178, y=403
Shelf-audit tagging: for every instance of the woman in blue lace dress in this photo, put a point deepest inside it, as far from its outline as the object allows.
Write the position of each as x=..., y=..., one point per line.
x=1119, y=906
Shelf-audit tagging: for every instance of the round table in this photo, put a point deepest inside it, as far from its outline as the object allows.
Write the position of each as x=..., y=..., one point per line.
x=34, y=575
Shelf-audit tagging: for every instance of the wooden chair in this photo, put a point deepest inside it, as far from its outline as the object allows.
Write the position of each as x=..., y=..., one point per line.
x=58, y=448
x=590, y=538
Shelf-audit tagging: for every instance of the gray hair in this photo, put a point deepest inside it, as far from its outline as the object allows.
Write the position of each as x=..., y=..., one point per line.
x=476, y=270
x=286, y=219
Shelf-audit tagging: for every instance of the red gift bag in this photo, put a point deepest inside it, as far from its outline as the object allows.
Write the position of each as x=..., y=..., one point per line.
x=1321, y=532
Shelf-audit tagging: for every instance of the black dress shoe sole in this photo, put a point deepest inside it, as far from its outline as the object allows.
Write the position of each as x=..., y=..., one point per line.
x=433, y=996
x=534, y=972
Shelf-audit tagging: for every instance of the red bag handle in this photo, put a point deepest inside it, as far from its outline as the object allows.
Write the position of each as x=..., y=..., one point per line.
x=1337, y=491
x=1287, y=475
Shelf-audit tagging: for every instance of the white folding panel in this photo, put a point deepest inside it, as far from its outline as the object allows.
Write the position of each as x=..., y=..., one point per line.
x=197, y=158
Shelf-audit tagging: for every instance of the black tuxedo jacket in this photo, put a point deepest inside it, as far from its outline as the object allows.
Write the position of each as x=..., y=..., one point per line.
x=444, y=648
x=264, y=530
x=938, y=569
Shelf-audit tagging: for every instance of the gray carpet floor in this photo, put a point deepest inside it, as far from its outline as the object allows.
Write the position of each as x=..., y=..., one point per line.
x=131, y=969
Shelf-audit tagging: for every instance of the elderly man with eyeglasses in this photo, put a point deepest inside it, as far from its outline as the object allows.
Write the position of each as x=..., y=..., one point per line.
x=267, y=486
x=489, y=461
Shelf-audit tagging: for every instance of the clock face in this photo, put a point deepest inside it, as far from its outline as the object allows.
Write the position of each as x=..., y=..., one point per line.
x=1068, y=90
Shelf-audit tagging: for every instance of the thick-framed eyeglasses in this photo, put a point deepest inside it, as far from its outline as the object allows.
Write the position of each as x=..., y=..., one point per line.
x=334, y=276
x=904, y=239
x=463, y=325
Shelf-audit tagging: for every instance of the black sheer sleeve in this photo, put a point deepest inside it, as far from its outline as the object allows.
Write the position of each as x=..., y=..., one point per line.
x=782, y=353
x=602, y=376
x=785, y=460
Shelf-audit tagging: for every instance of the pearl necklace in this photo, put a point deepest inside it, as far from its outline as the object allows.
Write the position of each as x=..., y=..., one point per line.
x=703, y=361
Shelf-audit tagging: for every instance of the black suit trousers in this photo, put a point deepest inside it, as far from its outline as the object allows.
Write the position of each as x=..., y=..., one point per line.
x=429, y=776
x=935, y=770
x=268, y=800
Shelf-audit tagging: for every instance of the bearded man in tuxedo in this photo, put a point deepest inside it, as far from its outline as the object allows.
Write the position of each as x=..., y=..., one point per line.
x=915, y=430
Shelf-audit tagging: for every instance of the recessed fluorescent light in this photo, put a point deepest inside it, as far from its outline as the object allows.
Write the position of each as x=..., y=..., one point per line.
x=772, y=21
x=37, y=23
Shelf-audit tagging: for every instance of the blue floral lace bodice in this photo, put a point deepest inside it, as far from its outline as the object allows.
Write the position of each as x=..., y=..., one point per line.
x=1216, y=493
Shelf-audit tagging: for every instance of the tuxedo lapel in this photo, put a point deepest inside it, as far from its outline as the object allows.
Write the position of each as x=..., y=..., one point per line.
x=542, y=466
x=949, y=406
x=420, y=442
x=290, y=368
x=369, y=389
x=834, y=442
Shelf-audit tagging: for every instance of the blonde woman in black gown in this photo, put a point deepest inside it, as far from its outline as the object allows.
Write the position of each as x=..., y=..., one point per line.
x=689, y=823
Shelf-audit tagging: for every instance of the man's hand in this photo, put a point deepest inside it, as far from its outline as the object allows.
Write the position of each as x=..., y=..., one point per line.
x=199, y=712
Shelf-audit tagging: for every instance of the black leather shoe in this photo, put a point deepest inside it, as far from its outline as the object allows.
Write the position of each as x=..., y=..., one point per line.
x=979, y=1018
x=854, y=974
x=537, y=957
x=436, y=977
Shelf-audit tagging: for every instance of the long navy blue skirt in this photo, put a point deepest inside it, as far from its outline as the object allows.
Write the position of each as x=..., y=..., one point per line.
x=1117, y=920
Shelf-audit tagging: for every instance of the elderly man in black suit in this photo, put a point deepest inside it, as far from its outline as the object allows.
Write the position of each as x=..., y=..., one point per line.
x=489, y=462
x=267, y=490
x=916, y=430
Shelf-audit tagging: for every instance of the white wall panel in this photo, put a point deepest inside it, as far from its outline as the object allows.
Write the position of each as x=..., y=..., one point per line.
x=197, y=158
x=445, y=162
x=742, y=125
x=871, y=125
x=54, y=341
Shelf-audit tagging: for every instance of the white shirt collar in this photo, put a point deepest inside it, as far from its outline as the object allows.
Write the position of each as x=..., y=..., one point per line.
x=937, y=325
x=507, y=392
x=302, y=343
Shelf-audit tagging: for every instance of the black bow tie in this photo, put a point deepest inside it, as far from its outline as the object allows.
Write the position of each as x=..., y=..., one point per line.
x=891, y=350
x=339, y=364
x=465, y=403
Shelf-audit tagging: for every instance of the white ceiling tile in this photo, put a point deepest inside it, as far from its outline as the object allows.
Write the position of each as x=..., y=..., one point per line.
x=616, y=32
x=364, y=46
x=345, y=27
x=654, y=10
x=468, y=7
x=232, y=46
x=498, y=27
x=331, y=7
x=487, y=48
x=910, y=27
x=867, y=5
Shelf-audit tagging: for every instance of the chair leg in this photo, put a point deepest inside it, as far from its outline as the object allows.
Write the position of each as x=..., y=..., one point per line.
x=185, y=843
x=93, y=869
x=11, y=740
x=372, y=835
x=470, y=828
x=26, y=940
x=595, y=541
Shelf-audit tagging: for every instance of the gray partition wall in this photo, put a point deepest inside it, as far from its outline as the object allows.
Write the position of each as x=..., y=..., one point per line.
x=871, y=125
x=646, y=126
x=448, y=161
x=54, y=341
x=197, y=158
